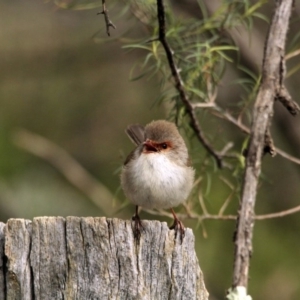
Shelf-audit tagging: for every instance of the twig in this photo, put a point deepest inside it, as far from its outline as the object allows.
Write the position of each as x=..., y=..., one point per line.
x=192, y=216
x=203, y=105
x=202, y=203
x=292, y=54
x=68, y=166
x=288, y=156
x=227, y=201
x=272, y=74
x=108, y=22
x=187, y=209
x=208, y=216
x=227, y=116
x=179, y=83
x=226, y=148
x=285, y=98
x=279, y=214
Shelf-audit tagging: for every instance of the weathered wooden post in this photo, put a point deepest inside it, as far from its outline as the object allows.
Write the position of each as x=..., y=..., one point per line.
x=96, y=258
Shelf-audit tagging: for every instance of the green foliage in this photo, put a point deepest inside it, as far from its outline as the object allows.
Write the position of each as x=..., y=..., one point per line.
x=202, y=52
x=201, y=48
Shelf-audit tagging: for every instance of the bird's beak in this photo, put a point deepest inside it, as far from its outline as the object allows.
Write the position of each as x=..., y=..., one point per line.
x=149, y=146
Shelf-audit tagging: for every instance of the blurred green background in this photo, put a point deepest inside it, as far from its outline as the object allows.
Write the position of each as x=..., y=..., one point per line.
x=58, y=82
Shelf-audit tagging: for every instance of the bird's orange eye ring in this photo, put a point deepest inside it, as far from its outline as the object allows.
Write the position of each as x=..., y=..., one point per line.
x=164, y=145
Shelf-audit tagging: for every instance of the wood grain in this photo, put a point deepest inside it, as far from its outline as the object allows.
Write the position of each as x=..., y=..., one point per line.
x=96, y=258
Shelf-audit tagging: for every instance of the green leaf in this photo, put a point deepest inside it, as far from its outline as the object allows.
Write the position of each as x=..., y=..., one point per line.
x=137, y=46
x=197, y=92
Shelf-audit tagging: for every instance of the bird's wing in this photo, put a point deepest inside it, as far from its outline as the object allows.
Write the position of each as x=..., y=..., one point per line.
x=136, y=133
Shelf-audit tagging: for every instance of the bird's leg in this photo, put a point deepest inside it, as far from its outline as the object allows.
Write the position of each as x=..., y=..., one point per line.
x=178, y=226
x=138, y=227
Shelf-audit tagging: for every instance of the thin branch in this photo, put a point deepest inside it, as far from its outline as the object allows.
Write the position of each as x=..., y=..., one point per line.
x=288, y=156
x=68, y=166
x=192, y=216
x=292, y=54
x=207, y=216
x=286, y=100
x=227, y=201
x=108, y=22
x=279, y=214
x=179, y=85
x=203, y=105
x=187, y=209
x=226, y=148
x=227, y=116
x=202, y=203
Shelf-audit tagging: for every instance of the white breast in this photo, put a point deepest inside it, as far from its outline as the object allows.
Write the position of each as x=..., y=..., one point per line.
x=154, y=181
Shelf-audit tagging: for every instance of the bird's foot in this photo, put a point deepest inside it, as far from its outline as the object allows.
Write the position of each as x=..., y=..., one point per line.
x=179, y=228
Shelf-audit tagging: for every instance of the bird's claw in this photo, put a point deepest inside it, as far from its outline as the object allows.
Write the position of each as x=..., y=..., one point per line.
x=178, y=227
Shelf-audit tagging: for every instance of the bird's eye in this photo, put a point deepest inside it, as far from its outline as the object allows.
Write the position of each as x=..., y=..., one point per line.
x=164, y=146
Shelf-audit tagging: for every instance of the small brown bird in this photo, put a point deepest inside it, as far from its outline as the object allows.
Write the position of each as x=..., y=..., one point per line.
x=157, y=173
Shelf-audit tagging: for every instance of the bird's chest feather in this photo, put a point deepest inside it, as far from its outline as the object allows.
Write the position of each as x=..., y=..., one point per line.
x=158, y=171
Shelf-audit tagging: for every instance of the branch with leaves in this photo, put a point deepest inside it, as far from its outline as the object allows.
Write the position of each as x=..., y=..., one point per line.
x=179, y=83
